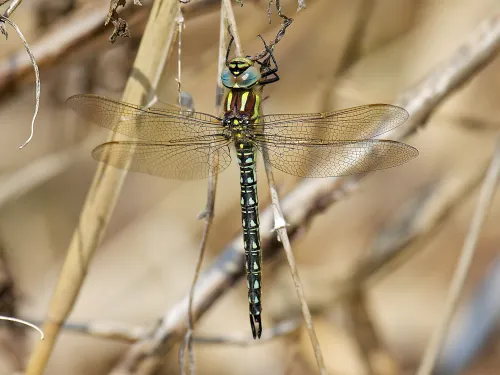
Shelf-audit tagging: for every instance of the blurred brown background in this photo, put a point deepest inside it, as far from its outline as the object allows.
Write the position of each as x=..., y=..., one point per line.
x=146, y=261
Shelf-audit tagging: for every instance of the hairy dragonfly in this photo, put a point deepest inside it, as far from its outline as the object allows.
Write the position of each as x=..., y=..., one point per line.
x=180, y=144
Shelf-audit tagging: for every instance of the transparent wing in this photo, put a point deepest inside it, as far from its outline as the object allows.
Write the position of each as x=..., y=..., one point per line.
x=159, y=125
x=176, y=161
x=349, y=124
x=336, y=159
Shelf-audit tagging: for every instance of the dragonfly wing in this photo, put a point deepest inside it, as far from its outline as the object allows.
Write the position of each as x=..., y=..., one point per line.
x=154, y=124
x=336, y=159
x=349, y=124
x=174, y=161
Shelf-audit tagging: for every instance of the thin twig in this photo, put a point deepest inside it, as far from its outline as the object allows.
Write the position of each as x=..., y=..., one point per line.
x=131, y=334
x=231, y=21
x=280, y=228
x=104, y=190
x=121, y=28
x=12, y=7
x=37, y=75
x=8, y=12
x=188, y=342
x=208, y=212
x=282, y=233
x=219, y=88
x=21, y=321
x=482, y=208
x=281, y=33
x=109, y=330
x=188, y=338
x=301, y=5
x=181, y=25
x=315, y=195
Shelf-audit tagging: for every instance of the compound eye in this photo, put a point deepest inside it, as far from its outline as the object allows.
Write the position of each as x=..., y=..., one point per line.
x=249, y=78
x=227, y=78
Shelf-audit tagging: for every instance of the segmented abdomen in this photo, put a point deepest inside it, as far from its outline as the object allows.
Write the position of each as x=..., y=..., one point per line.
x=251, y=237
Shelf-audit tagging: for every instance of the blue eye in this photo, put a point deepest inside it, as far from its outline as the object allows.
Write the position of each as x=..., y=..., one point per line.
x=227, y=78
x=249, y=78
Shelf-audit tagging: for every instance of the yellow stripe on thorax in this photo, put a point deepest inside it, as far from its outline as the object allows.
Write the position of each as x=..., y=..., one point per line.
x=244, y=98
x=229, y=100
x=256, y=107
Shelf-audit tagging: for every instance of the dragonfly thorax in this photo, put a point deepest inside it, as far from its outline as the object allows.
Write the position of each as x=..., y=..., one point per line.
x=239, y=127
x=242, y=105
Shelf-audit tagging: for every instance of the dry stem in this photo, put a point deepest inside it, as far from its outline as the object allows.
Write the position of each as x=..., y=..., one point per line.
x=280, y=228
x=105, y=188
x=12, y=7
x=231, y=21
x=37, y=74
x=131, y=334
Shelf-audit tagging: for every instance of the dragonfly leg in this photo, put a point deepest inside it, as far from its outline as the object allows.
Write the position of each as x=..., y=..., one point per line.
x=270, y=56
x=229, y=45
x=270, y=80
x=255, y=320
x=266, y=64
x=268, y=73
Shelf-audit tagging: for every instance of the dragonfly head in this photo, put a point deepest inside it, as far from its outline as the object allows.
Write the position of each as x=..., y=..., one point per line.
x=240, y=73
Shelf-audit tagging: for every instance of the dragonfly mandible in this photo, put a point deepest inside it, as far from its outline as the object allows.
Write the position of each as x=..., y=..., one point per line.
x=181, y=144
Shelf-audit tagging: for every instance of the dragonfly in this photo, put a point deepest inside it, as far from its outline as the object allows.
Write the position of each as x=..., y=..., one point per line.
x=181, y=144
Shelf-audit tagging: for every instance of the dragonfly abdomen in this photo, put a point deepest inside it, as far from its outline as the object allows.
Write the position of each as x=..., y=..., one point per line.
x=251, y=238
